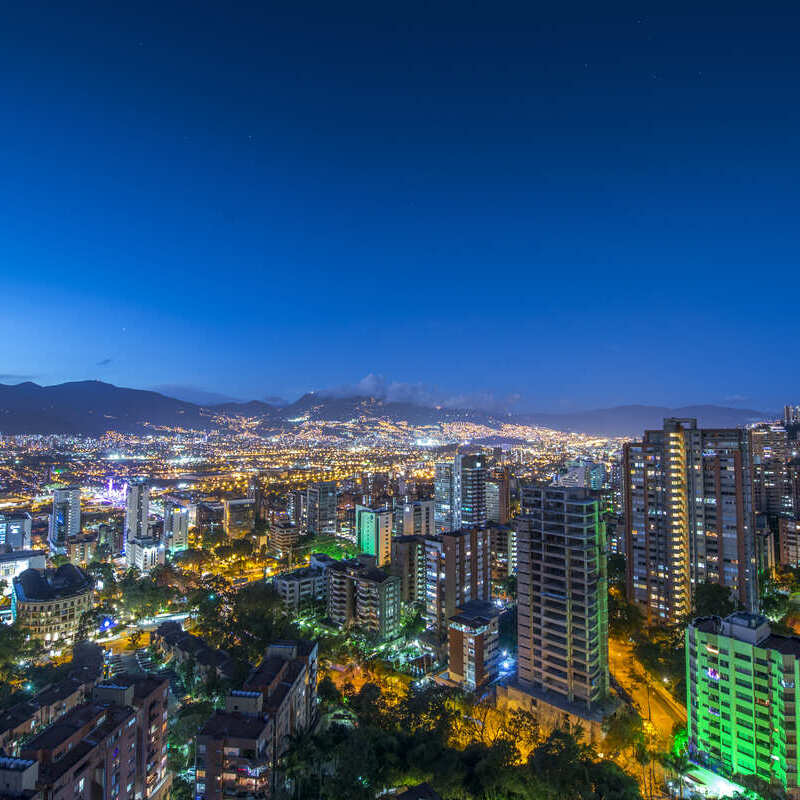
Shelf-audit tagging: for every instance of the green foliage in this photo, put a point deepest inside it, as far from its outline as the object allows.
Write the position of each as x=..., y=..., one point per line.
x=624, y=618
x=774, y=602
x=143, y=597
x=181, y=789
x=182, y=731
x=713, y=599
x=421, y=738
x=616, y=567
x=765, y=790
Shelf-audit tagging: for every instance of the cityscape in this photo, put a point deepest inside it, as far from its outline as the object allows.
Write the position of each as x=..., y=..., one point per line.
x=397, y=402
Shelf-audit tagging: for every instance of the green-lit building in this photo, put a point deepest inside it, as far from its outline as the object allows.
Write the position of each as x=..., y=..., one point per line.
x=374, y=533
x=741, y=681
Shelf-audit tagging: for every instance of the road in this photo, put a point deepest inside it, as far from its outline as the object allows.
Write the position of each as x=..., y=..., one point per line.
x=664, y=710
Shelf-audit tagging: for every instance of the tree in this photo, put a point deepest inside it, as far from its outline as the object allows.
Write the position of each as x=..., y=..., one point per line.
x=678, y=765
x=765, y=790
x=623, y=731
x=135, y=638
x=327, y=692
x=713, y=599
x=616, y=569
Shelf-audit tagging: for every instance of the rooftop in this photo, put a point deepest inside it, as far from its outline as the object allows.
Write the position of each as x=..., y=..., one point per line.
x=234, y=725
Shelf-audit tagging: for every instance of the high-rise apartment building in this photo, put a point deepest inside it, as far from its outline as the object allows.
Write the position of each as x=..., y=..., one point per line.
x=498, y=498
x=374, y=533
x=65, y=519
x=460, y=493
x=457, y=571
x=364, y=596
x=137, y=509
x=688, y=516
x=562, y=597
x=444, y=502
x=472, y=643
x=469, y=489
x=176, y=526
x=416, y=518
x=741, y=698
x=320, y=509
x=770, y=452
x=239, y=516
x=408, y=563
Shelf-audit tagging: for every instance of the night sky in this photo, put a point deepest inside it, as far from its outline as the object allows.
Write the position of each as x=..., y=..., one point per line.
x=584, y=206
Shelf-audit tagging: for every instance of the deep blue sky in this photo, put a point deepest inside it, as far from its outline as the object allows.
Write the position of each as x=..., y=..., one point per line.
x=583, y=206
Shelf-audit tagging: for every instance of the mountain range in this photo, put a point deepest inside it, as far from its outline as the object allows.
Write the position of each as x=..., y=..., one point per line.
x=93, y=407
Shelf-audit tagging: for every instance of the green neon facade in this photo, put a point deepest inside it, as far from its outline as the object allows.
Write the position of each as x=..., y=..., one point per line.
x=741, y=683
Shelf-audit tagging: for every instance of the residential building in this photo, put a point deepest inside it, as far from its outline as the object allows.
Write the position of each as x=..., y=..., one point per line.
x=49, y=603
x=742, y=683
x=27, y=717
x=302, y=586
x=457, y=571
x=770, y=452
x=498, y=497
x=503, y=551
x=408, y=563
x=16, y=562
x=583, y=474
x=88, y=753
x=145, y=554
x=19, y=778
x=240, y=517
x=65, y=519
x=283, y=537
x=176, y=526
x=287, y=681
x=149, y=696
x=374, y=533
x=788, y=542
x=444, y=500
x=416, y=518
x=469, y=490
x=177, y=645
x=137, y=509
x=234, y=756
x=238, y=749
x=320, y=511
x=364, y=596
x=80, y=549
x=15, y=531
x=472, y=640
x=562, y=598
x=688, y=517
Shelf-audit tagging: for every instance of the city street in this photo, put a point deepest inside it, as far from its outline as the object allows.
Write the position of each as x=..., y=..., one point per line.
x=665, y=711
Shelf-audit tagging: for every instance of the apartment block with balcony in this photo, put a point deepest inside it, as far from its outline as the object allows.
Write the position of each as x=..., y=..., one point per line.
x=742, y=683
x=688, y=517
x=562, y=598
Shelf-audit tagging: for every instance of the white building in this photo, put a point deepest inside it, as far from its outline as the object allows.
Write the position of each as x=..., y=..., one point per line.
x=137, y=510
x=15, y=531
x=144, y=553
x=13, y=564
x=176, y=526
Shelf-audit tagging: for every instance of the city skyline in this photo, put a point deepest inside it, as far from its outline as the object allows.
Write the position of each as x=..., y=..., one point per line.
x=531, y=203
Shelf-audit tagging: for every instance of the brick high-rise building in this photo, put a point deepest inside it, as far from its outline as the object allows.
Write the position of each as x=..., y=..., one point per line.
x=688, y=516
x=458, y=570
x=88, y=753
x=149, y=696
x=472, y=644
x=408, y=563
x=562, y=597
